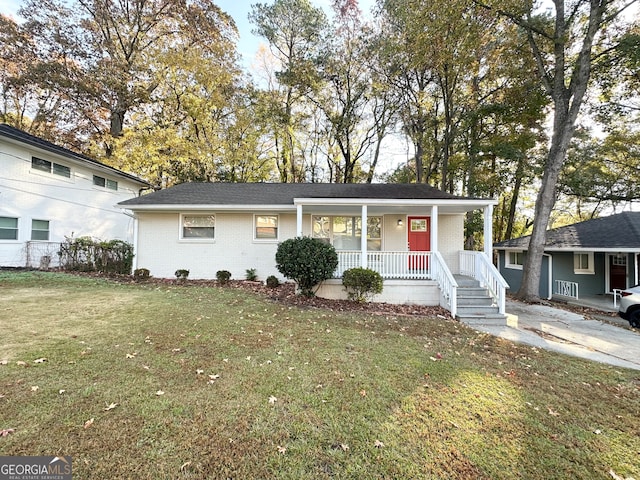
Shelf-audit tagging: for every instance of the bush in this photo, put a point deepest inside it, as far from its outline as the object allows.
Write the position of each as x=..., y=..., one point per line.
x=182, y=274
x=141, y=273
x=223, y=276
x=85, y=254
x=272, y=281
x=362, y=283
x=251, y=274
x=308, y=261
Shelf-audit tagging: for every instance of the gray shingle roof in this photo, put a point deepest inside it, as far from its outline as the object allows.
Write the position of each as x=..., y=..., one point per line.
x=24, y=137
x=281, y=193
x=615, y=231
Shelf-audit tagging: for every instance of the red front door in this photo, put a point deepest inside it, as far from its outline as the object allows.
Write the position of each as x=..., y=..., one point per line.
x=419, y=240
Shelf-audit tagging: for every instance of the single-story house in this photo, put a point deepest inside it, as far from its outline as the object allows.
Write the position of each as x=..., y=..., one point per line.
x=594, y=257
x=48, y=192
x=414, y=233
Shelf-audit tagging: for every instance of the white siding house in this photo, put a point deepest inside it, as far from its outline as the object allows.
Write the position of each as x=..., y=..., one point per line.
x=48, y=193
x=414, y=234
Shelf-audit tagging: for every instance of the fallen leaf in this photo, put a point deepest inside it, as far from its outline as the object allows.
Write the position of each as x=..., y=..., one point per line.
x=378, y=444
x=110, y=407
x=6, y=431
x=215, y=376
x=363, y=393
x=88, y=423
x=4, y=362
x=184, y=465
x=199, y=371
x=159, y=392
x=272, y=399
x=282, y=450
x=132, y=355
x=553, y=412
x=35, y=388
x=176, y=350
x=40, y=360
x=61, y=391
x=20, y=363
x=146, y=367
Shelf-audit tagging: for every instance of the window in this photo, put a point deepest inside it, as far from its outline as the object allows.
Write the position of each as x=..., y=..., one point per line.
x=345, y=233
x=515, y=260
x=583, y=263
x=105, y=183
x=266, y=227
x=50, y=167
x=39, y=229
x=8, y=228
x=418, y=225
x=198, y=226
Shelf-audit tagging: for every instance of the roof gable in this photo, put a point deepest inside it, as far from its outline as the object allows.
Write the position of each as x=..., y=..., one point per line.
x=621, y=230
x=21, y=136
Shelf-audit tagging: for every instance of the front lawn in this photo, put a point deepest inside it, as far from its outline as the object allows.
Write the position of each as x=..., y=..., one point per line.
x=153, y=381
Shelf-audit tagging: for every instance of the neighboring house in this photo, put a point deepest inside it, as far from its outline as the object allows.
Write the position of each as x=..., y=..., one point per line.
x=414, y=233
x=593, y=257
x=48, y=193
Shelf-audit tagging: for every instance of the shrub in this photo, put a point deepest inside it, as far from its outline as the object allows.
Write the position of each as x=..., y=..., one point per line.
x=141, y=273
x=251, y=274
x=86, y=254
x=272, y=281
x=182, y=274
x=308, y=261
x=362, y=283
x=223, y=276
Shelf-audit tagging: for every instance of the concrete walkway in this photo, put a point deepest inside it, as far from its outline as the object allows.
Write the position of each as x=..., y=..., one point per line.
x=570, y=333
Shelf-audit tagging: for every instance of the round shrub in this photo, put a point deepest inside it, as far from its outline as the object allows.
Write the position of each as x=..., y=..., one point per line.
x=141, y=273
x=182, y=274
x=362, y=283
x=272, y=281
x=223, y=276
x=307, y=261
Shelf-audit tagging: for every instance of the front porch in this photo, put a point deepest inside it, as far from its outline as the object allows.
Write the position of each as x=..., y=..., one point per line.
x=421, y=278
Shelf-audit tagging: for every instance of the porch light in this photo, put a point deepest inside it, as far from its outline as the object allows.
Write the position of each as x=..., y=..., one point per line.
x=400, y=222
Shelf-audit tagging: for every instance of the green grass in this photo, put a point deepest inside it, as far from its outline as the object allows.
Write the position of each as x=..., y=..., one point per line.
x=356, y=396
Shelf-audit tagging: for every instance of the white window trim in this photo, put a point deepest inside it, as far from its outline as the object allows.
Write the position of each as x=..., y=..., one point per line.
x=584, y=271
x=507, y=260
x=48, y=229
x=50, y=174
x=331, y=236
x=266, y=240
x=196, y=239
x=17, y=239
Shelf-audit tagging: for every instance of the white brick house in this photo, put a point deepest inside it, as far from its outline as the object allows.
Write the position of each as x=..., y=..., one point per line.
x=414, y=234
x=48, y=192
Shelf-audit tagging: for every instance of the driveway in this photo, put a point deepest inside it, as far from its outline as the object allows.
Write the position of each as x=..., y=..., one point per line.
x=570, y=333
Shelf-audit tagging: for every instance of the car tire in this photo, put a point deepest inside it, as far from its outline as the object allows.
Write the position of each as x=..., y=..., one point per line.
x=634, y=319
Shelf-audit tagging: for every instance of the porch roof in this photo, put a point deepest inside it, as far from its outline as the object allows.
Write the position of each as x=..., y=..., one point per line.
x=313, y=197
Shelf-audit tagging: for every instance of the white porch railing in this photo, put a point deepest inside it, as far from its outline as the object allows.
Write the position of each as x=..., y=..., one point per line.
x=446, y=282
x=406, y=266
x=396, y=265
x=565, y=288
x=477, y=265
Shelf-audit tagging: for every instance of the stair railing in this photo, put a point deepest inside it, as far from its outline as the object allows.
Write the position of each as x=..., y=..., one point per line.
x=448, y=285
x=478, y=266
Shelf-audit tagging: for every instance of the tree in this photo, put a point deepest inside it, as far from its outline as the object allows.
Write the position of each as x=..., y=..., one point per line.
x=565, y=47
x=102, y=55
x=294, y=30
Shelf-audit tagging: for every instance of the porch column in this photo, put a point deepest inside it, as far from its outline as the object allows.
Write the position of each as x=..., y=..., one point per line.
x=299, y=220
x=434, y=228
x=363, y=238
x=488, y=232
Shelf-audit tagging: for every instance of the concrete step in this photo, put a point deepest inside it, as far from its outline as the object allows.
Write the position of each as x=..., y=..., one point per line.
x=495, y=320
x=472, y=291
x=475, y=310
x=483, y=301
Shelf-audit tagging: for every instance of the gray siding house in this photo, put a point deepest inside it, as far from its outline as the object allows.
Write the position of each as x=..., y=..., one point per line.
x=594, y=257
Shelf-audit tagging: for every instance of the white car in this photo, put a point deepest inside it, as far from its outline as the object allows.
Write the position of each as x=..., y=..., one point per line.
x=630, y=305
